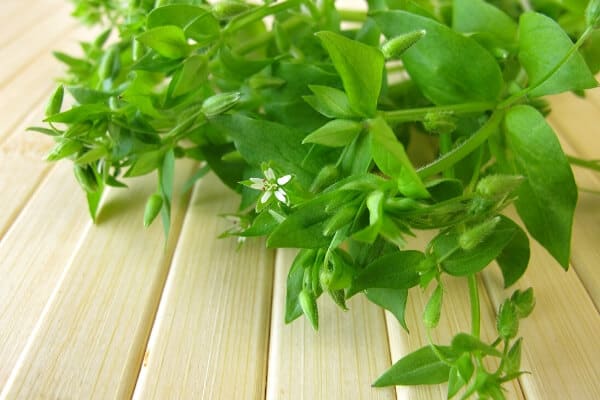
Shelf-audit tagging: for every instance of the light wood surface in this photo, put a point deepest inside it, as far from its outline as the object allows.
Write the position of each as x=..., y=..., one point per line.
x=110, y=311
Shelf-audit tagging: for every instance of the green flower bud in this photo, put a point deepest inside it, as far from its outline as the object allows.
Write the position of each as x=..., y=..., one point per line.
x=153, y=207
x=398, y=45
x=507, y=321
x=86, y=178
x=308, y=304
x=592, y=14
x=440, y=122
x=337, y=275
x=339, y=298
x=109, y=64
x=524, y=302
x=258, y=82
x=469, y=239
x=55, y=102
x=226, y=9
x=326, y=177
x=340, y=219
x=433, y=309
x=219, y=103
x=498, y=186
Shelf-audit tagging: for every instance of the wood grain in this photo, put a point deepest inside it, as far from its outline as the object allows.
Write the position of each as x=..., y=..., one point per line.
x=340, y=361
x=91, y=339
x=210, y=337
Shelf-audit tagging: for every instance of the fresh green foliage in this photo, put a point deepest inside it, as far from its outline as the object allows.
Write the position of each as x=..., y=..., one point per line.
x=314, y=125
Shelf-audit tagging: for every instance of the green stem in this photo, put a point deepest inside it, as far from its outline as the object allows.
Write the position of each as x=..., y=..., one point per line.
x=417, y=114
x=589, y=164
x=445, y=147
x=352, y=15
x=466, y=148
x=524, y=92
x=475, y=308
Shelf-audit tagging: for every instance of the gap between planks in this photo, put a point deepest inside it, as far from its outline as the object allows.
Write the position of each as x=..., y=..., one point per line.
x=91, y=341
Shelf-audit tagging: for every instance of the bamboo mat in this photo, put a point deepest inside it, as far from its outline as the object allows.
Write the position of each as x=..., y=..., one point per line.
x=109, y=311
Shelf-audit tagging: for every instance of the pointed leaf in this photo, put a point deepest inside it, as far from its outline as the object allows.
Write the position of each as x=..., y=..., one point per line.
x=546, y=200
x=422, y=367
x=542, y=44
x=360, y=66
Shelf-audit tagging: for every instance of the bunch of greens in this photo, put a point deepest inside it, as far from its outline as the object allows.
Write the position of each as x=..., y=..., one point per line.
x=316, y=116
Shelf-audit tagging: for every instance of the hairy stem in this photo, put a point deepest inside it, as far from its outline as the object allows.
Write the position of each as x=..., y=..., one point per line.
x=417, y=114
x=475, y=308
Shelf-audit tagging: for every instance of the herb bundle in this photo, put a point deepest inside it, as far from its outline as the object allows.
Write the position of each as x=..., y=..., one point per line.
x=315, y=115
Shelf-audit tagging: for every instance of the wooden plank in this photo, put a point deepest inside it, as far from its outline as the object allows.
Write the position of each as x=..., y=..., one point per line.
x=560, y=347
x=578, y=118
x=211, y=332
x=91, y=339
x=31, y=87
x=340, y=361
x=585, y=252
x=455, y=318
x=34, y=254
x=38, y=38
x=17, y=20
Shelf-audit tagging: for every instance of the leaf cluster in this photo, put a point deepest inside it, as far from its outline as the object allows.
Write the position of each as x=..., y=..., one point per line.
x=318, y=119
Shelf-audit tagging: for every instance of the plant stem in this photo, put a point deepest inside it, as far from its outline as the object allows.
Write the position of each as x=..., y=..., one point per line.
x=475, y=308
x=589, y=164
x=352, y=15
x=466, y=148
x=417, y=114
x=445, y=147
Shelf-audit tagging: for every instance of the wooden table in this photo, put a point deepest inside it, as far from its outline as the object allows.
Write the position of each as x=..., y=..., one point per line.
x=107, y=311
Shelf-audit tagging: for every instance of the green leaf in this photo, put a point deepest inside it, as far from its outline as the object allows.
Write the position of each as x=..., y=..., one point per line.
x=146, y=163
x=260, y=140
x=465, y=343
x=174, y=14
x=514, y=258
x=422, y=367
x=166, y=175
x=168, y=41
x=470, y=16
x=55, y=102
x=336, y=133
x=459, y=262
x=303, y=260
x=393, y=300
x=455, y=382
x=433, y=64
x=542, y=45
x=513, y=358
x=330, y=102
x=86, y=112
x=360, y=66
x=193, y=75
x=546, y=200
x=395, y=270
x=390, y=156
x=304, y=227
x=203, y=29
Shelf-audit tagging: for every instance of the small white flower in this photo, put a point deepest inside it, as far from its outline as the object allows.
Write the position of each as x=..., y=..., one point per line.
x=271, y=185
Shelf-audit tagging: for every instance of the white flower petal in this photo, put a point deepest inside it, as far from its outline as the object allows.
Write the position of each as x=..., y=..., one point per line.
x=257, y=183
x=281, y=195
x=265, y=197
x=270, y=174
x=284, y=179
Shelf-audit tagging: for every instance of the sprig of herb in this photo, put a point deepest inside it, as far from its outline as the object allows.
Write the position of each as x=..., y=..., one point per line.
x=313, y=124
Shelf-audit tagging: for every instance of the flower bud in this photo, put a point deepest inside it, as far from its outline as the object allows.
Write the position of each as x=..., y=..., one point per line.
x=469, y=239
x=433, y=309
x=440, y=122
x=398, y=45
x=55, y=102
x=109, y=64
x=226, y=9
x=340, y=219
x=498, y=186
x=219, y=103
x=326, y=176
x=308, y=304
x=524, y=302
x=86, y=178
x=153, y=207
